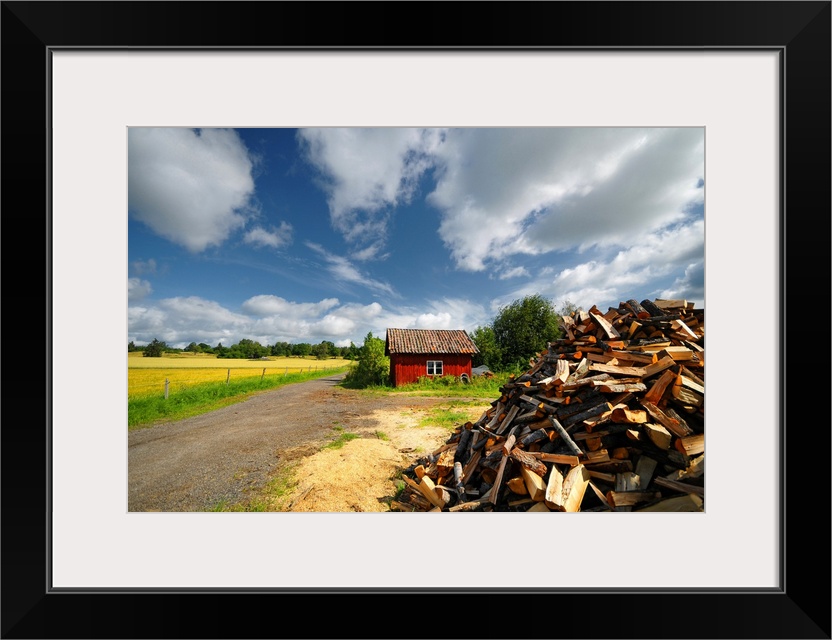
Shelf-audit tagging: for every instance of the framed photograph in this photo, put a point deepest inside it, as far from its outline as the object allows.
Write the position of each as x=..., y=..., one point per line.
x=754, y=76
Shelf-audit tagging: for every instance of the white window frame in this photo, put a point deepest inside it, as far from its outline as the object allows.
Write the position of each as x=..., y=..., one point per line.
x=434, y=363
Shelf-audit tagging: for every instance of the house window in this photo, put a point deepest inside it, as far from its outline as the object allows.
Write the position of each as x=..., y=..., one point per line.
x=434, y=367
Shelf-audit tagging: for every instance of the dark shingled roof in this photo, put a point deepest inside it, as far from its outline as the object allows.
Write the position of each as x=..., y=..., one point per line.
x=428, y=341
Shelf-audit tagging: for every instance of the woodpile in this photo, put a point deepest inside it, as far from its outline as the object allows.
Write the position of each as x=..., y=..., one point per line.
x=609, y=418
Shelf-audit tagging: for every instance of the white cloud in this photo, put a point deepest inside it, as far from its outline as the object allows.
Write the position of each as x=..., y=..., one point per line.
x=274, y=237
x=606, y=282
x=268, y=305
x=144, y=267
x=344, y=271
x=367, y=172
x=138, y=289
x=534, y=190
x=192, y=187
x=515, y=272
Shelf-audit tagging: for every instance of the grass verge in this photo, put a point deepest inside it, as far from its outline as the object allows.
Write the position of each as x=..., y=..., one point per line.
x=149, y=410
x=447, y=386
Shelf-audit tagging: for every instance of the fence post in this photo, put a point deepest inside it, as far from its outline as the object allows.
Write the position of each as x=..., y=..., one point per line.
x=227, y=377
x=167, y=383
x=263, y=374
x=285, y=373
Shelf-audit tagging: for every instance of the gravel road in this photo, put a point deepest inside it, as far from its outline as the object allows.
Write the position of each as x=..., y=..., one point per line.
x=196, y=463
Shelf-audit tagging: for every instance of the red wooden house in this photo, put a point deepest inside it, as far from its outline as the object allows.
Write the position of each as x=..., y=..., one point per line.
x=428, y=352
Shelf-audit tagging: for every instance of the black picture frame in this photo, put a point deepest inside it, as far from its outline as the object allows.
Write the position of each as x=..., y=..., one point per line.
x=799, y=31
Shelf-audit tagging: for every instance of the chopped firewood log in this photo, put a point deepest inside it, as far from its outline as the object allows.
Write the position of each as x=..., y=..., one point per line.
x=626, y=387
x=695, y=469
x=534, y=484
x=690, y=502
x=593, y=444
x=428, y=489
x=458, y=481
x=679, y=486
x=557, y=458
x=645, y=467
x=495, y=489
x=606, y=326
x=473, y=505
x=660, y=365
x=623, y=415
x=673, y=425
x=529, y=461
x=538, y=506
x=564, y=436
x=658, y=435
x=583, y=415
x=631, y=498
x=606, y=477
x=567, y=493
x=668, y=304
x=518, y=485
x=444, y=496
x=510, y=415
x=691, y=445
x=445, y=462
x=594, y=457
x=657, y=391
x=610, y=466
x=615, y=370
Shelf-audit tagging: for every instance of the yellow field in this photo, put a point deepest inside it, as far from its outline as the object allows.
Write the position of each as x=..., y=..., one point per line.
x=148, y=375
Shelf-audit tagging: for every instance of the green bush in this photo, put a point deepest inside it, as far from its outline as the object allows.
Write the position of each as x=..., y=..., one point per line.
x=373, y=368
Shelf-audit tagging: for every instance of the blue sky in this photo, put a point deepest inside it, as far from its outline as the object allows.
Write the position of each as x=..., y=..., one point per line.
x=304, y=235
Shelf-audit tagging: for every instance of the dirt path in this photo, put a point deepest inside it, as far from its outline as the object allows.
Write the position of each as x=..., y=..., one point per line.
x=228, y=455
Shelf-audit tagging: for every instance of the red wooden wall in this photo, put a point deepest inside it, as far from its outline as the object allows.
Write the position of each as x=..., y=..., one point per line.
x=406, y=368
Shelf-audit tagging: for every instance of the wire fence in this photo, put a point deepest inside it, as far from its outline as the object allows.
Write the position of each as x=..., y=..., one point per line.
x=140, y=384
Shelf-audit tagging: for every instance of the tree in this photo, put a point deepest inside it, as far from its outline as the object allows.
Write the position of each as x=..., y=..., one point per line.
x=281, y=349
x=301, y=349
x=523, y=329
x=489, y=353
x=568, y=308
x=155, y=349
x=373, y=368
x=193, y=347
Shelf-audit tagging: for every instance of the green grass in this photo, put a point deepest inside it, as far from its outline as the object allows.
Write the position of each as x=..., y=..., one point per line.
x=477, y=387
x=273, y=497
x=341, y=440
x=382, y=436
x=146, y=411
x=451, y=415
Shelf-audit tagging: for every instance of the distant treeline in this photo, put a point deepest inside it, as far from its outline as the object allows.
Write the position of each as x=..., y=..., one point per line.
x=248, y=349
